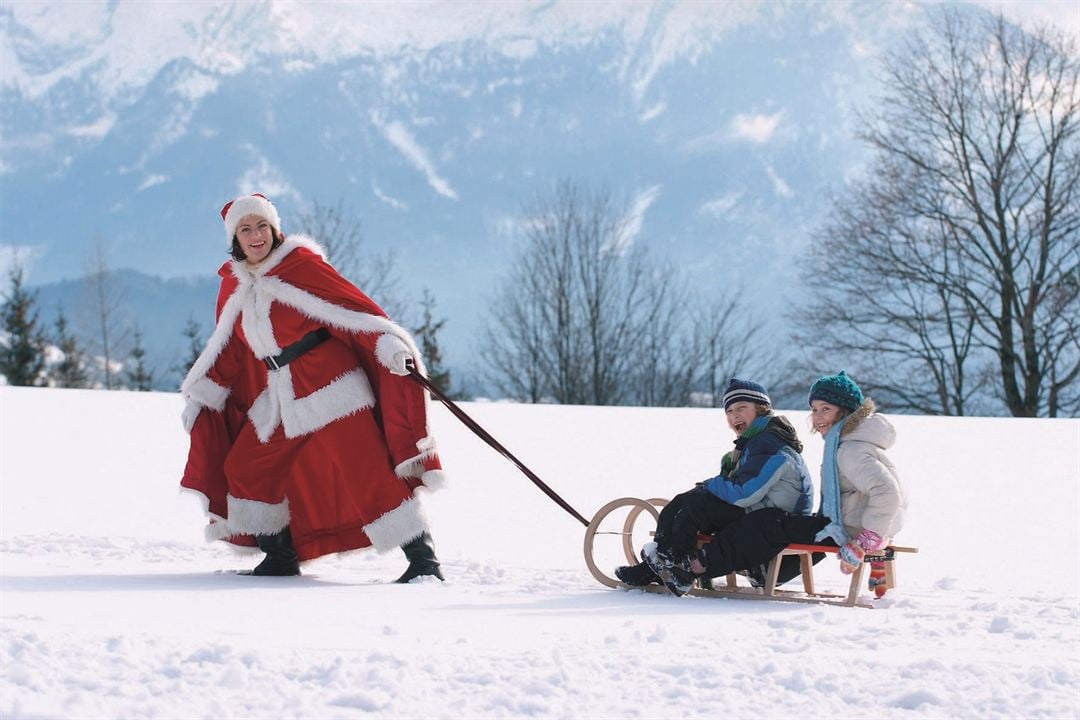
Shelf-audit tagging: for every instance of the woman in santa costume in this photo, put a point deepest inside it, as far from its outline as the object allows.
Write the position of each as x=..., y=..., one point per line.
x=307, y=435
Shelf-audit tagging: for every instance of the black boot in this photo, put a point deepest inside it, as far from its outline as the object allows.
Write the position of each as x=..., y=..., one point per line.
x=638, y=575
x=422, y=561
x=280, y=554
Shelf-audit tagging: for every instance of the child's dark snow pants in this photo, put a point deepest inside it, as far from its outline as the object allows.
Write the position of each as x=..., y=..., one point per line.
x=754, y=540
x=692, y=512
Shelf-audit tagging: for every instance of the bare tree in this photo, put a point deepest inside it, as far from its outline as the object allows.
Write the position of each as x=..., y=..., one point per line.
x=339, y=232
x=668, y=362
x=730, y=342
x=513, y=347
x=577, y=317
x=103, y=313
x=950, y=274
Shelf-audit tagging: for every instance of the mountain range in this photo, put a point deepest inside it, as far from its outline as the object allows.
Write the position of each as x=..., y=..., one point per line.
x=723, y=126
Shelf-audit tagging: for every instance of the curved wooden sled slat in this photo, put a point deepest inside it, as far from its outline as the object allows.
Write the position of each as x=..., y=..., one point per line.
x=638, y=506
x=628, y=527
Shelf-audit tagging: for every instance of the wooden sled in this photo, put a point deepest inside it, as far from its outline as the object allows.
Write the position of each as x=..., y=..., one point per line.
x=731, y=587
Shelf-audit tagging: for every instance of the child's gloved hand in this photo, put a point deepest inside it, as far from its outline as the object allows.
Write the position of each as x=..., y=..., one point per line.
x=877, y=582
x=851, y=555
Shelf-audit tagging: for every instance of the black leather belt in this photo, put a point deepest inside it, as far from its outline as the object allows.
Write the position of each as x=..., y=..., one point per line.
x=298, y=348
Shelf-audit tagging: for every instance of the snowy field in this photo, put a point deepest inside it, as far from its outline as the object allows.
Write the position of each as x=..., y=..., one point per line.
x=111, y=606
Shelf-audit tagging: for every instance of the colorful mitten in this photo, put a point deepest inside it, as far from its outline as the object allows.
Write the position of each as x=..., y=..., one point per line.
x=877, y=578
x=851, y=555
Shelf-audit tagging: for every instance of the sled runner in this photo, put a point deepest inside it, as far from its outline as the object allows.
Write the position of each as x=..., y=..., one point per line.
x=730, y=587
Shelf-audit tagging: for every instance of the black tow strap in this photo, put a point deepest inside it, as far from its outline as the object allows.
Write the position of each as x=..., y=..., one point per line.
x=298, y=348
x=486, y=437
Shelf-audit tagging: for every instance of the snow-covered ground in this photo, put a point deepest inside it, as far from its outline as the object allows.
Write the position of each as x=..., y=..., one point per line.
x=111, y=605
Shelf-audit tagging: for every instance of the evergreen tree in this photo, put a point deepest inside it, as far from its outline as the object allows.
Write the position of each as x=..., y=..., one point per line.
x=427, y=338
x=71, y=371
x=194, y=347
x=139, y=376
x=22, y=359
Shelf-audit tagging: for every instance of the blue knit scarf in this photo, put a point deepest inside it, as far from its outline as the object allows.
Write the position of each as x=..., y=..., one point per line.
x=830, y=488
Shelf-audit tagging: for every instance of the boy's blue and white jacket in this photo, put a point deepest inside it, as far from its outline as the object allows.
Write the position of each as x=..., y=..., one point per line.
x=766, y=470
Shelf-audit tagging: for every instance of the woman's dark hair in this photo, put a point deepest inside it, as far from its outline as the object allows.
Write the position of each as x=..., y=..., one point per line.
x=238, y=254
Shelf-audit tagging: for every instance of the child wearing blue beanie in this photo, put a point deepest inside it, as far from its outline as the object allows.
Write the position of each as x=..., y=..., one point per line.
x=765, y=470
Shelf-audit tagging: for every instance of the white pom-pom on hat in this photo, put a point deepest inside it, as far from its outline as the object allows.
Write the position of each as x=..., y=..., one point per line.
x=254, y=204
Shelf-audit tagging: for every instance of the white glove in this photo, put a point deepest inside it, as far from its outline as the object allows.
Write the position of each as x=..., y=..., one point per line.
x=392, y=353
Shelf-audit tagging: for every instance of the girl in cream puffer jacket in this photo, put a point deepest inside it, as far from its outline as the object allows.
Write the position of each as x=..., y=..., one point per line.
x=871, y=496
x=859, y=484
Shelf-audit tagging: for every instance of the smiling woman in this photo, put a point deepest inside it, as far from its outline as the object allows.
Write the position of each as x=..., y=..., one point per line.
x=255, y=239
x=307, y=435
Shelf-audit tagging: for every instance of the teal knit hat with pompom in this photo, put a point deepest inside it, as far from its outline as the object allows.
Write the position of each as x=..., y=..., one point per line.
x=838, y=390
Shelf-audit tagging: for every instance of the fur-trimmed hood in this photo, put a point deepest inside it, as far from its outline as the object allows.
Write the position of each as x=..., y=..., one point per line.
x=242, y=271
x=865, y=425
x=364, y=316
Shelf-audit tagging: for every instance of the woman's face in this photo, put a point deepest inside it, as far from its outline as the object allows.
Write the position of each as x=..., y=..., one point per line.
x=823, y=415
x=256, y=238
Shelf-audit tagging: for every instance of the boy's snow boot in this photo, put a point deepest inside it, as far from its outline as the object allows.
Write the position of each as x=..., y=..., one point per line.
x=675, y=577
x=422, y=561
x=638, y=575
x=755, y=574
x=280, y=554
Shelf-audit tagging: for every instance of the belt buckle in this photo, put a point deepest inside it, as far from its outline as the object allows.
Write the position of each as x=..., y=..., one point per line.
x=271, y=363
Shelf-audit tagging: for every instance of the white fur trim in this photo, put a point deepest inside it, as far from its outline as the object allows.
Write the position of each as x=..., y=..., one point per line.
x=411, y=468
x=350, y=393
x=249, y=205
x=414, y=466
x=395, y=528
x=190, y=415
x=434, y=479
x=242, y=270
x=258, y=329
x=304, y=241
x=218, y=339
x=217, y=529
x=344, y=396
x=208, y=393
x=392, y=352
x=265, y=413
x=325, y=312
x=254, y=517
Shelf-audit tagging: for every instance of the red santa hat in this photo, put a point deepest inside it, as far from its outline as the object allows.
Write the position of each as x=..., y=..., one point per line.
x=254, y=204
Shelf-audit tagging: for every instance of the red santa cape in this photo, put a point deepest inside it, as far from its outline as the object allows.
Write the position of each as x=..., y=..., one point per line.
x=332, y=444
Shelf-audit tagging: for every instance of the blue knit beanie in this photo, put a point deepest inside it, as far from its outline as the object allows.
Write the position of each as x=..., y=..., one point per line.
x=739, y=390
x=838, y=390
